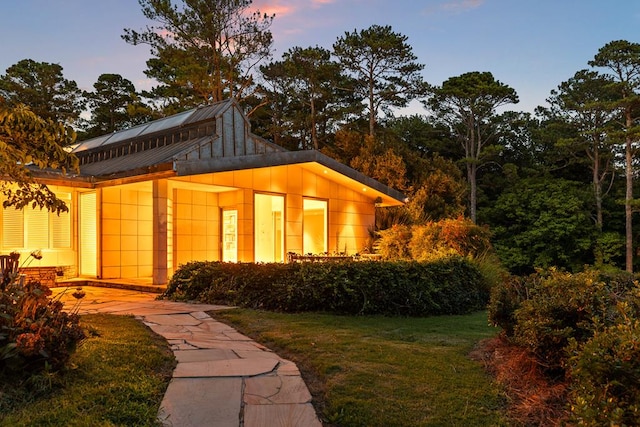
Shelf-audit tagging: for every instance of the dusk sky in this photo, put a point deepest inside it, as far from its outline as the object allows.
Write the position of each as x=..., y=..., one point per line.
x=531, y=45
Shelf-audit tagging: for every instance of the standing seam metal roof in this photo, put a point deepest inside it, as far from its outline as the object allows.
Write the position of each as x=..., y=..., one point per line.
x=162, y=125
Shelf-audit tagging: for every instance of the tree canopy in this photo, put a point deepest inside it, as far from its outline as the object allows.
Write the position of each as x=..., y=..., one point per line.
x=622, y=59
x=27, y=141
x=114, y=105
x=308, y=95
x=467, y=105
x=383, y=64
x=203, y=51
x=42, y=87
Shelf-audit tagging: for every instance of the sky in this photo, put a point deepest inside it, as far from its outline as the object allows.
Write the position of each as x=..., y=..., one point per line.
x=529, y=45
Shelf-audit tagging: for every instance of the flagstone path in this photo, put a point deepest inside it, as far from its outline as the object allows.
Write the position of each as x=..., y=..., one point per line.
x=222, y=378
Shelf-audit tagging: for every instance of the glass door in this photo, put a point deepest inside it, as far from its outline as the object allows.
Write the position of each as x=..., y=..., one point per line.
x=230, y=235
x=269, y=228
x=88, y=248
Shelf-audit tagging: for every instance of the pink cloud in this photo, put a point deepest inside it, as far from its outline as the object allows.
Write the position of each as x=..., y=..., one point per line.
x=278, y=7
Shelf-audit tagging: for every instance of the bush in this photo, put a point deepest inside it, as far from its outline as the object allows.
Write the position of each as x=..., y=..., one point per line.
x=583, y=331
x=605, y=375
x=393, y=243
x=406, y=288
x=552, y=307
x=435, y=240
x=35, y=333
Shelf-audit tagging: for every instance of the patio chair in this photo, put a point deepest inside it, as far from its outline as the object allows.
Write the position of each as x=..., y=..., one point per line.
x=8, y=268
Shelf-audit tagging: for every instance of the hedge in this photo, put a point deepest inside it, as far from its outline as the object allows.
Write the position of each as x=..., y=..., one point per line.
x=405, y=288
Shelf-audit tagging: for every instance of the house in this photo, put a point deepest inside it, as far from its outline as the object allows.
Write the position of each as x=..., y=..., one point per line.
x=194, y=186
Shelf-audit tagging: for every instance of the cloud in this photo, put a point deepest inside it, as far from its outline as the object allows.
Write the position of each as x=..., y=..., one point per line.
x=278, y=7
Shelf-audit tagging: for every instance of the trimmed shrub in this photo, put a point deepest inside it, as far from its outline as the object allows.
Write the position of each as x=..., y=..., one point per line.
x=405, y=288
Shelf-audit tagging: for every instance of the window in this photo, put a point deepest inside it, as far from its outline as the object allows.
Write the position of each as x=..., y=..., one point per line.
x=269, y=228
x=37, y=228
x=314, y=226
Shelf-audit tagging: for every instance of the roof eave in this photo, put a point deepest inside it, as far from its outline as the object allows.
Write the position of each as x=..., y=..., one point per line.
x=196, y=167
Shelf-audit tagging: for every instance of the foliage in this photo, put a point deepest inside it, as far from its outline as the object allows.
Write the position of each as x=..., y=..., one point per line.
x=42, y=87
x=435, y=240
x=203, y=51
x=553, y=308
x=622, y=59
x=384, y=66
x=117, y=377
x=449, y=286
x=541, y=223
x=35, y=333
x=584, y=103
x=26, y=139
x=605, y=374
x=380, y=163
x=393, y=243
x=438, y=197
x=457, y=236
x=467, y=105
x=114, y=105
x=308, y=95
x=580, y=332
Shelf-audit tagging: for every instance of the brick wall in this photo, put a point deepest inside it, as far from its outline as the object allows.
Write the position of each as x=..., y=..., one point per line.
x=45, y=275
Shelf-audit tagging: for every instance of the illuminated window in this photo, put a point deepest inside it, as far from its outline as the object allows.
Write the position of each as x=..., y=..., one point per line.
x=88, y=250
x=269, y=228
x=314, y=226
x=37, y=228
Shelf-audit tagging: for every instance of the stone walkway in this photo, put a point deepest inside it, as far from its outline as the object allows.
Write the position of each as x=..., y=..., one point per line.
x=222, y=377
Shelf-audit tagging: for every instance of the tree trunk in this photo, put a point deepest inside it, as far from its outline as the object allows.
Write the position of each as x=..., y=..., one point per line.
x=628, y=211
x=472, y=169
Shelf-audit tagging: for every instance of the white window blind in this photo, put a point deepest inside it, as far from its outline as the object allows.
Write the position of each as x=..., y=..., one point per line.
x=12, y=228
x=61, y=225
x=36, y=228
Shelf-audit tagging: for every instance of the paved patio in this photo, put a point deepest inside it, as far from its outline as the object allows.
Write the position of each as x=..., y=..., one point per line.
x=222, y=377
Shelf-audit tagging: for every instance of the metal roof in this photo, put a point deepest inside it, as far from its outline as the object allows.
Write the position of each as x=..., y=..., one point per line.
x=163, y=125
x=141, y=160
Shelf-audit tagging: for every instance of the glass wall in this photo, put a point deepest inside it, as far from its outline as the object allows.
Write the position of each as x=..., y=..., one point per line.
x=314, y=225
x=269, y=228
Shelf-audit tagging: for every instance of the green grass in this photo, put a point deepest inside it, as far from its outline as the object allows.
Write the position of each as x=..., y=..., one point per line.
x=380, y=371
x=117, y=377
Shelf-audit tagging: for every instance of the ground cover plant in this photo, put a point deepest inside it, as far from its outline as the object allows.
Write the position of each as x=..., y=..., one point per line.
x=118, y=376
x=384, y=371
x=452, y=285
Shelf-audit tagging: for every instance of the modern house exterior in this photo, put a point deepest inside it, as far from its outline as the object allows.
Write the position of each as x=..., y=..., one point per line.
x=194, y=186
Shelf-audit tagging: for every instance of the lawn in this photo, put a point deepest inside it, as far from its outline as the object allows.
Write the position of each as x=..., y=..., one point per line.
x=118, y=376
x=381, y=371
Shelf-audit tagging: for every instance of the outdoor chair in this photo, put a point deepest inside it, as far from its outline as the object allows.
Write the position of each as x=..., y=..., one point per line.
x=8, y=269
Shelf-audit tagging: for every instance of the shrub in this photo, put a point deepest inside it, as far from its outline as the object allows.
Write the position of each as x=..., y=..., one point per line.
x=407, y=288
x=35, y=333
x=605, y=374
x=394, y=242
x=563, y=307
x=583, y=332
